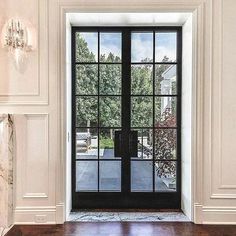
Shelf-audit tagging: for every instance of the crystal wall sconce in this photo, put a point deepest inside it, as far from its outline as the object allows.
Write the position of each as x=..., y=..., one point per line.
x=18, y=37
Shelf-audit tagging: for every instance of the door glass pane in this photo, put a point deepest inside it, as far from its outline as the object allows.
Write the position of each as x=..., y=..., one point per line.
x=110, y=47
x=110, y=111
x=142, y=47
x=86, y=176
x=165, y=47
x=86, y=143
x=141, y=176
x=141, y=79
x=165, y=111
x=86, y=46
x=110, y=79
x=165, y=80
x=145, y=141
x=141, y=111
x=86, y=79
x=165, y=144
x=165, y=176
x=86, y=111
x=110, y=176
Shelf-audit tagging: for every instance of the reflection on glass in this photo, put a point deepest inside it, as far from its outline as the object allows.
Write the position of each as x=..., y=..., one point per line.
x=142, y=47
x=141, y=111
x=110, y=79
x=141, y=79
x=165, y=176
x=165, y=80
x=165, y=47
x=110, y=176
x=86, y=176
x=141, y=176
x=86, y=111
x=86, y=143
x=145, y=141
x=110, y=111
x=86, y=79
x=165, y=111
x=110, y=47
x=86, y=46
x=165, y=144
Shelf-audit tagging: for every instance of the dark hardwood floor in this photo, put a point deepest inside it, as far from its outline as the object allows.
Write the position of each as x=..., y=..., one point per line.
x=124, y=229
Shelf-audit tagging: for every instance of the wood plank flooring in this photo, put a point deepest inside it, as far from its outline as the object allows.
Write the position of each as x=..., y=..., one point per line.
x=124, y=229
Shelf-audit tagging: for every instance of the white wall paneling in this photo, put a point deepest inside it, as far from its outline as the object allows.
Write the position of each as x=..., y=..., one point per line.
x=224, y=107
x=39, y=95
x=29, y=86
x=33, y=134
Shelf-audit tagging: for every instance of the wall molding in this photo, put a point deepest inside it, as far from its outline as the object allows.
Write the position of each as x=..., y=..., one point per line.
x=217, y=155
x=35, y=195
x=27, y=195
x=40, y=96
x=221, y=28
x=223, y=196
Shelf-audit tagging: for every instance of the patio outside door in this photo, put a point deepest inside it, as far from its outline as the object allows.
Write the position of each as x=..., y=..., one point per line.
x=126, y=106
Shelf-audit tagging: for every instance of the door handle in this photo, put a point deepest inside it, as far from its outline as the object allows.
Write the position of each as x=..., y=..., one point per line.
x=133, y=143
x=118, y=144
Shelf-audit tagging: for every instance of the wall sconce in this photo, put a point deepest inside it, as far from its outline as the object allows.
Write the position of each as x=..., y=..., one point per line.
x=18, y=37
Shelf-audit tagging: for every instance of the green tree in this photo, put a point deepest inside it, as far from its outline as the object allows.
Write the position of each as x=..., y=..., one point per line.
x=87, y=84
x=110, y=84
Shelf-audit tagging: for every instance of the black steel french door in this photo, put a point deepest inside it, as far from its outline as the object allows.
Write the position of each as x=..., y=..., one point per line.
x=126, y=117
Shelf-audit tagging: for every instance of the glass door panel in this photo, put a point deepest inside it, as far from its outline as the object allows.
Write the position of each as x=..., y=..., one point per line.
x=154, y=110
x=98, y=110
x=126, y=117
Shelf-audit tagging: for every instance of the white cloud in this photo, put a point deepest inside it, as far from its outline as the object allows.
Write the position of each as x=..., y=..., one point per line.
x=106, y=49
x=144, y=49
x=141, y=49
x=162, y=51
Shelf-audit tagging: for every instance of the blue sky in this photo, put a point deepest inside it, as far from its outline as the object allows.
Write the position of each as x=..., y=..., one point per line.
x=109, y=42
x=142, y=45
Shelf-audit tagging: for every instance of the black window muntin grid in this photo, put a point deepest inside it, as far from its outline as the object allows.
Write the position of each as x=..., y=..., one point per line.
x=178, y=64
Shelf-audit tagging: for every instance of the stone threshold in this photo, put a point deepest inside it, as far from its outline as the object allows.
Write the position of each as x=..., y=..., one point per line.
x=127, y=216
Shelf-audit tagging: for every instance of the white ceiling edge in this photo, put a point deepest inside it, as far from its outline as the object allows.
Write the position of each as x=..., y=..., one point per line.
x=127, y=19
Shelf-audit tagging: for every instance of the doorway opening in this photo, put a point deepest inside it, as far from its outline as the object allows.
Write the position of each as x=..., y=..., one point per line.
x=129, y=21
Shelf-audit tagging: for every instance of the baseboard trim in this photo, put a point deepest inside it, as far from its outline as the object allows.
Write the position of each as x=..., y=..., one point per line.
x=60, y=213
x=40, y=215
x=35, y=215
x=56, y=215
x=214, y=215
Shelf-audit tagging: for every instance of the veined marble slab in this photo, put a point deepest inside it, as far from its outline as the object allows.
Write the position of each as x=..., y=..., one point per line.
x=88, y=216
x=6, y=170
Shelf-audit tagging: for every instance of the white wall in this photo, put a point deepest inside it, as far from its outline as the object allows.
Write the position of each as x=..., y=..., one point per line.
x=34, y=95
x=41, y=130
